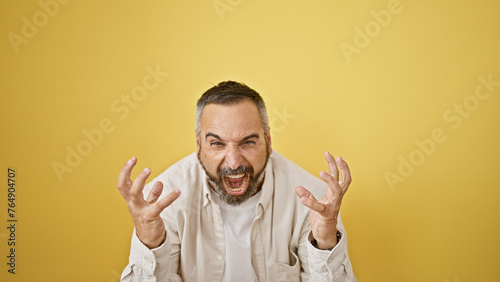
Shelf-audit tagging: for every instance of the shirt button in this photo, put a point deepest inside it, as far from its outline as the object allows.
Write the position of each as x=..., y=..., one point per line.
x=217, y=218
x=219, y=257
x=330, y=260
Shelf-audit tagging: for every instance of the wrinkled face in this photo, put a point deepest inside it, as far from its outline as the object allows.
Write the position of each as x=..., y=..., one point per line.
x=233, y=150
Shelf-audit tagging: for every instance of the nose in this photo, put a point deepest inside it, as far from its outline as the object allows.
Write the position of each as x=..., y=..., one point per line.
x=234, y=158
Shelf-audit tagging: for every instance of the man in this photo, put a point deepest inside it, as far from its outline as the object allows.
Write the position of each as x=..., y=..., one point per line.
x=229, y=212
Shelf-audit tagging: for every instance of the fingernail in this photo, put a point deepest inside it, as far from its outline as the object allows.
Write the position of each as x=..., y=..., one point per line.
x=146, y=170
x=129, y=162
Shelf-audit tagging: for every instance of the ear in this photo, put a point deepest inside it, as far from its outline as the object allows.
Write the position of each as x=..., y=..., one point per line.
x=197, y=143
x=269, y=141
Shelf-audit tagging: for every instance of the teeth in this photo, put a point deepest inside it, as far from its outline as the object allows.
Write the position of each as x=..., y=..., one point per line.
x=242, y=184
x=236, y=176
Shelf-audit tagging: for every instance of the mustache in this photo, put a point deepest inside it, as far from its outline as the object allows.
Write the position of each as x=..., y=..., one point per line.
x=225, y=171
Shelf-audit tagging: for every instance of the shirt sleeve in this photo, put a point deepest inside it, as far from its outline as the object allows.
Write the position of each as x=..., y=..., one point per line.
x=149, y=265
x=330, y=265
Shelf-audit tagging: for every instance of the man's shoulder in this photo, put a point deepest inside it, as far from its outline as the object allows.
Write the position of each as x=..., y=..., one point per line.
x=282, y=163
x=189, y=162
x=285, y=170
x=184, y=170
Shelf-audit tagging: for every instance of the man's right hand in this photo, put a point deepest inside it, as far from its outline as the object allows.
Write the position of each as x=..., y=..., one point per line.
x=149, y=226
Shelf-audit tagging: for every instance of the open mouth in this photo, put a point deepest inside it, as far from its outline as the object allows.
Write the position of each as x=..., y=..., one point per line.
x=236, y=184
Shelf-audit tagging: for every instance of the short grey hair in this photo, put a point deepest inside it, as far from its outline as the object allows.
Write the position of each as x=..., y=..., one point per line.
x=228, y=93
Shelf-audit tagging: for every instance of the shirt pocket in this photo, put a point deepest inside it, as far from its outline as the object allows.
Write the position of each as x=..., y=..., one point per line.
x=287, y=272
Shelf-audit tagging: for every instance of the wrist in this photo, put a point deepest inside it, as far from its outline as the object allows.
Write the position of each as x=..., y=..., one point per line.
x=152, y=242
x=326, y=245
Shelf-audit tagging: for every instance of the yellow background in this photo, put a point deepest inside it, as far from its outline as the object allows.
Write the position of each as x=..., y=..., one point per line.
x=440, y=224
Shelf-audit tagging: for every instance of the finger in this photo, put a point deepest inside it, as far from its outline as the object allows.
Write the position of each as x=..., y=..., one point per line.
x=308, y=200
x=313, y=204
x=124, y=183
x=302, y=192
x=346, y=173
x=162, y=204
x=332, y=183
x=136, y=190
x=332, y=165
x=155, y=192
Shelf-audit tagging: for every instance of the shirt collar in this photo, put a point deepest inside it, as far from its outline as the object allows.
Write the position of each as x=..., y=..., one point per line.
x=267, y=187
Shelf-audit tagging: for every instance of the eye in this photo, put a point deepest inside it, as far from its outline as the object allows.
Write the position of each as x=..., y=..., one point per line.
x=215, y=143
x=249, y=143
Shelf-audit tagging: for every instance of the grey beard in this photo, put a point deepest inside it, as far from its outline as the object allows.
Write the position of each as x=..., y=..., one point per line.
x=254, y=183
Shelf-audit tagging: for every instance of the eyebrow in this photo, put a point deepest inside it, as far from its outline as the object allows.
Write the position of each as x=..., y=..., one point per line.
x=255, y=135
x=210, y=134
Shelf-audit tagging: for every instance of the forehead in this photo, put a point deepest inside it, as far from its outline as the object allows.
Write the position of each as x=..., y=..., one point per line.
x=231, y=121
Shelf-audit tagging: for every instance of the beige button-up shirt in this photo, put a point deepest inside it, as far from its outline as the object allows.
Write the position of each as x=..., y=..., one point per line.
x=280, y=232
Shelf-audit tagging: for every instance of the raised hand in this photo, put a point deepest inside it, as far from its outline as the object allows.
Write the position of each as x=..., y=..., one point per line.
x=324, y=213
x=149, y=226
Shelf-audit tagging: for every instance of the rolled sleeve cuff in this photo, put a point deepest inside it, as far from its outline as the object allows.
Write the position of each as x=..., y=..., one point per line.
x=329, y=263
x=148, y=260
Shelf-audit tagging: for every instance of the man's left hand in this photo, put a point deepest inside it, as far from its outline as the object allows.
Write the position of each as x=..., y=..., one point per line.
x=324, y=213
